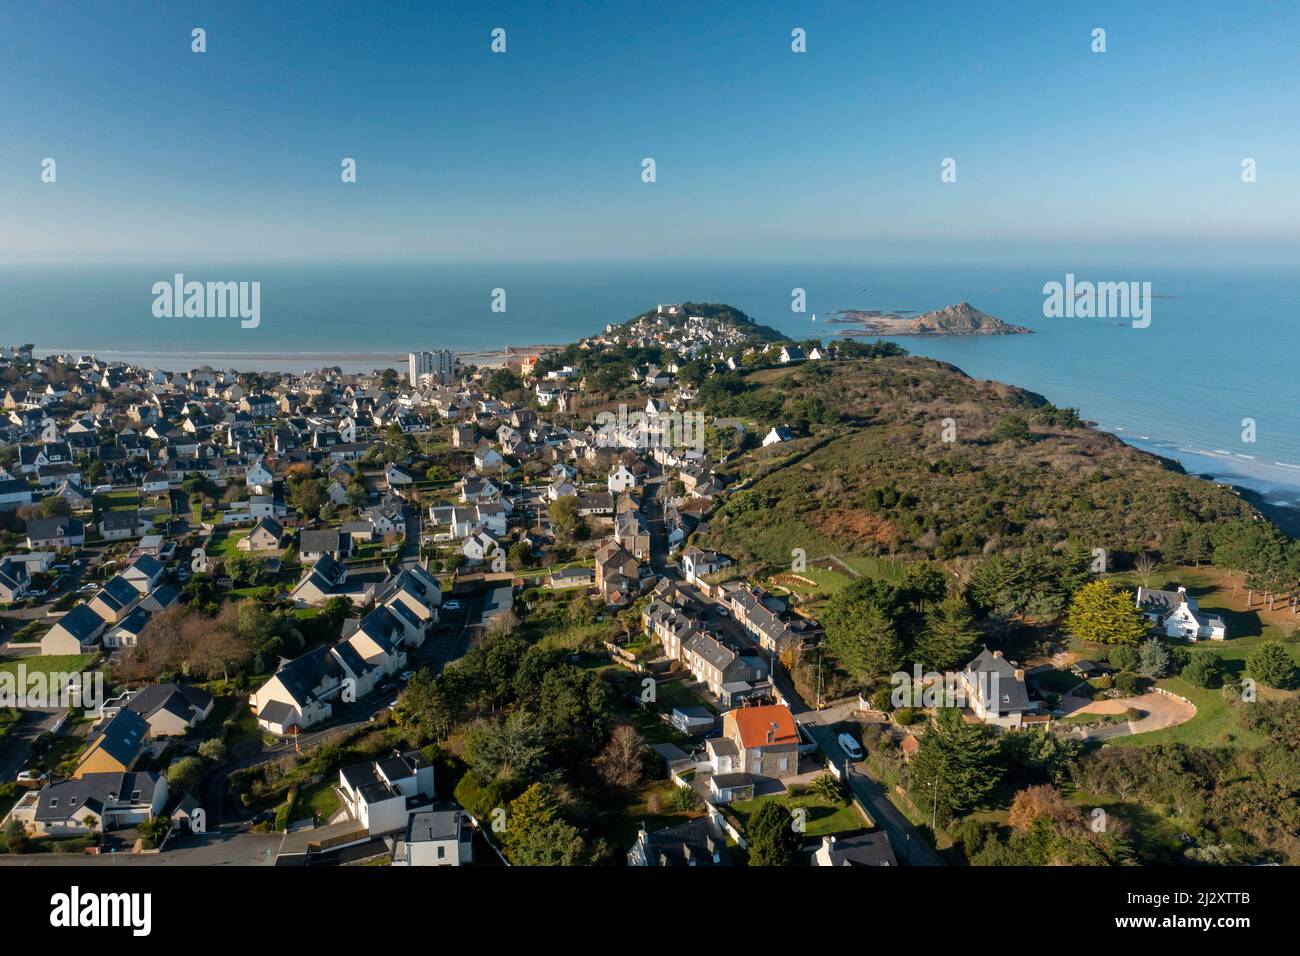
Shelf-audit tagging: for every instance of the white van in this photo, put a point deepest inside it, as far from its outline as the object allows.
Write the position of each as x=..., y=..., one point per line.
x=849, y=746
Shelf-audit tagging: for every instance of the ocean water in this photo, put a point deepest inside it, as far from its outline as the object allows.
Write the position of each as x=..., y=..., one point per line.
x=1221, y=346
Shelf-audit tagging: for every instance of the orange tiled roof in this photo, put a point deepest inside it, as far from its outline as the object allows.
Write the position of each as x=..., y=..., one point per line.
x=753, y=724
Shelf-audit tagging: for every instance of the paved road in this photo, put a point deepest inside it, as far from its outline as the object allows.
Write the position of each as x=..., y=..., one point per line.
x=909, y=846
x=17, y=744
x=209, y=849
x=653, y=506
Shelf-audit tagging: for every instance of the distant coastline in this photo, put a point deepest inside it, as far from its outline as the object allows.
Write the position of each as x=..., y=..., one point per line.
x=352, y=363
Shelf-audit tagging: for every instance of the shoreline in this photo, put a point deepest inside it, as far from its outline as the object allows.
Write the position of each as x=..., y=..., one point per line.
x=1272, y=489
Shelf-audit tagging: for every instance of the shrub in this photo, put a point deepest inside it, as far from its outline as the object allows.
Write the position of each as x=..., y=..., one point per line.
x=1123, y=657
x=1126, y=683
x=905, y=716
x=1201, y=669
x=1272, y=666
x=153, y=831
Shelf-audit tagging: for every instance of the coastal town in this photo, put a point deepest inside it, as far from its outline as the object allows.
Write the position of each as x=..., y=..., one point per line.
x=491, y=615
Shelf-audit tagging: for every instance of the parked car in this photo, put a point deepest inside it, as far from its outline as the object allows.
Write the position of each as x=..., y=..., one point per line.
x=32, y=777
x=101, y=490
x=452, y=605
x=406, y=675
x=849, y=746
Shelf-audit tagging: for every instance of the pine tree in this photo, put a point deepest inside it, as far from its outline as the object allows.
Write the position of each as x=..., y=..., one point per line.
x=866, y=642
x=1100, y=613
x=949, y=636
x=956, y=766
x=1272, y=666
x=1153, y=659
x=772, y=840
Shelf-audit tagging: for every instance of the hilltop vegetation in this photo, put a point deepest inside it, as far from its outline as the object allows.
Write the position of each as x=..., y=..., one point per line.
x=911, y=457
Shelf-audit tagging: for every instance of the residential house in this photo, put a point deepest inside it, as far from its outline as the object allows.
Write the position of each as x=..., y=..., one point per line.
x=866, y=849
x=15, y=579
x=93, y=802
x=121, y=525
x=115, y=746
x=55, y=533
x=436, y=838
x=76, y=632
x=1177, y=614
x=170, y=710
x=995, y=690
x=313, y=545
x=265, y=536
x=379, y=794
x=695, y=843
x=696, y=563
x=763, y=743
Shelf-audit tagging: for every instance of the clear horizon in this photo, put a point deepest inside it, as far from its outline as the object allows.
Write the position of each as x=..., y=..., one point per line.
x=762, y=154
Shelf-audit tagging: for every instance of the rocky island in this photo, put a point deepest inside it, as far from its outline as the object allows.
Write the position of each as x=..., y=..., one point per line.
x=960, y=319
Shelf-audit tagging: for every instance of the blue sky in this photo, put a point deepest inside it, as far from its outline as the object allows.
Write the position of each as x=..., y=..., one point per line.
x=761, y=153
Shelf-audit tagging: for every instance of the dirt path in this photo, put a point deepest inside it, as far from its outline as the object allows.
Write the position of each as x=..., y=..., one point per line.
x=1160, y=710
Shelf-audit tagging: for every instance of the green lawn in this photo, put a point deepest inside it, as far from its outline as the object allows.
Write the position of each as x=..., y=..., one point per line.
x=123, y=499
x=320, y=799
x=823, y=819
x=675, y=693
x=68, y=663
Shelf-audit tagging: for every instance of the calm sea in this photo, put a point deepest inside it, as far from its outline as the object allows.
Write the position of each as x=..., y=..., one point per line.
x=1221, y=346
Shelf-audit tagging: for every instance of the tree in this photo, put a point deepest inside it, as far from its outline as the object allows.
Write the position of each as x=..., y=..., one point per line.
x=949, y=635
x=956, y=766
x=772, y=839
x=868, y=646
x=55, y=507
x=1202, y=669
x=507, y=751
x=828, y=788
x=183, y=774
x=1272, y=666
x=536, y=833
x=557, y=843
x=307, y=496
x=622, y=763
x=564, y=516
x=1012, y=428
x=573, y=707
x=1123, y=657
x=429, y=705
x=213, y=750
x=15, y=836
x=1146, y=566
x=519, y=554
x=923, y=584
x=1100, y=613
x=1153, y=659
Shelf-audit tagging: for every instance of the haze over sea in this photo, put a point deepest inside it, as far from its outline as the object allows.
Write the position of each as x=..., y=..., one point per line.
x=1221, y=346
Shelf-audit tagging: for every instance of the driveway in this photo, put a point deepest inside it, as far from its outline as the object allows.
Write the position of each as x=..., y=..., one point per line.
x=909, y=846
x=1160, y=710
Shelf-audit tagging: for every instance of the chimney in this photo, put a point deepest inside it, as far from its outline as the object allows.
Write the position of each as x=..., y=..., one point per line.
x=1020, y=673
x=771, y=732
x=997, y=654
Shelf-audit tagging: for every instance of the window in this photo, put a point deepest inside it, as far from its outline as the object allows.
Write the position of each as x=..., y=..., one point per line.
x=442, y=852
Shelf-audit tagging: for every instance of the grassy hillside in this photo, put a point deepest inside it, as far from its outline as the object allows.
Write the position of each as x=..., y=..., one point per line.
x=873, y=473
